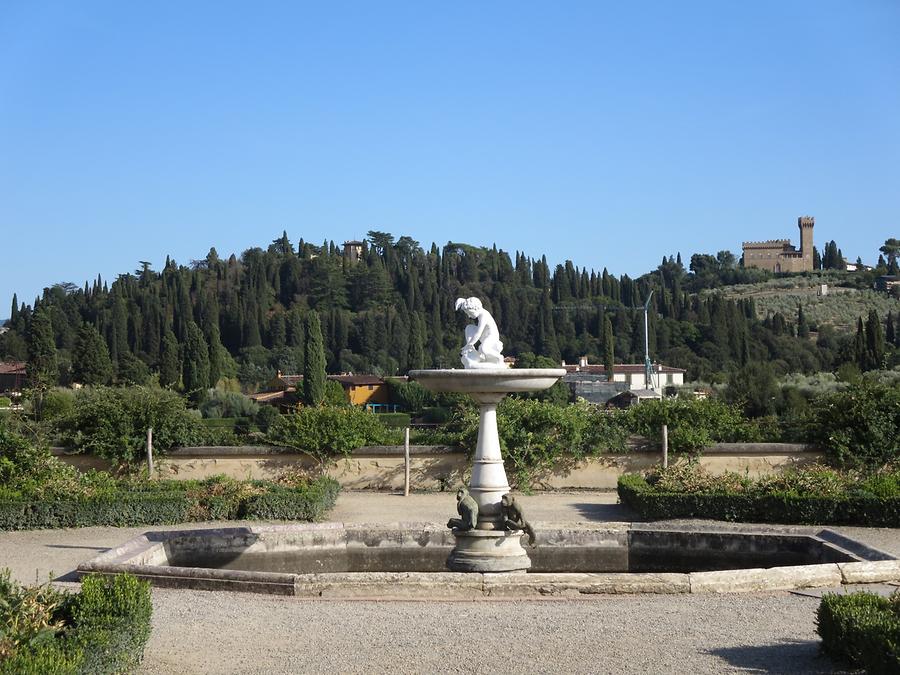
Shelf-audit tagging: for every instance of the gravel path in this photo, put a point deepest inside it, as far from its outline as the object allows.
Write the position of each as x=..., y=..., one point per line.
x=196, y=632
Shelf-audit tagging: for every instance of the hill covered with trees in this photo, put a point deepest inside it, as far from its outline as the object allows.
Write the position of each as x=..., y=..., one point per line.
x=392, y=310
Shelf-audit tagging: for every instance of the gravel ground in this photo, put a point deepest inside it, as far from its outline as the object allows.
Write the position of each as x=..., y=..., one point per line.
x=197, y=632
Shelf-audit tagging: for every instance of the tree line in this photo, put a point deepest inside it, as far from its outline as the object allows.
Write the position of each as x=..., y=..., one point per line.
x=391, y=309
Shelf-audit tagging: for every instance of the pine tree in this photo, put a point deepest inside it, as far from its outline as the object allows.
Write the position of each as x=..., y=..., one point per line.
x=90, y=359
x=43, y=370
x=195, y=363
x=313, y=362
x=609, y=347
x=169, y=363
x=890, y=334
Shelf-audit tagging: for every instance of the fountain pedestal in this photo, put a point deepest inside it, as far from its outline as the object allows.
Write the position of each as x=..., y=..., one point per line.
x=489, y=547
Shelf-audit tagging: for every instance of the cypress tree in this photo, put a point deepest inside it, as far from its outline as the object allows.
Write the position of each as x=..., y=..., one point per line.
x=43, y=370
x=195, y=364
x=169, y=363
x=278, y=331
x=890, y=335
x=416, y=342
x=215, y=354
x=802, y=325
x=874, y=341
x=90, y=359
x=546, y=336
x=609, y=347
x=313, y=362
x=14, y=311
x=859, y=346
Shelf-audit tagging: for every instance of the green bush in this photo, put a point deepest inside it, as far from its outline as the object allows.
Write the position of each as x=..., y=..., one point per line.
x=862, y=629
x=228, y=404
x=397, y=420
x=411, y=396
x=172, y=502
x=436, y=415
x=857, y=426
x=102, y=629
x=311, y=502
x=112, y=422
x=5, y=402
x=325, y=431
x=693, y=424
x=57, y=403
x=265, y=417
x=731, y=497
x=536, y=435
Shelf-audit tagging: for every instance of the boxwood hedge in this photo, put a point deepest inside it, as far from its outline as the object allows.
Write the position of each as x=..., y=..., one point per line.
x=102, y=629
x=862, y=629
x=171, y=502
x=785, y=507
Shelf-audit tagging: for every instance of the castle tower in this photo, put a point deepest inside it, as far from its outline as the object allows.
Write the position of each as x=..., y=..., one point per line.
x=806, y=225
x=353, y=251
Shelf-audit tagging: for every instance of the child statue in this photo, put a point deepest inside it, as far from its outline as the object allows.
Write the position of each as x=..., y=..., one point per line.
x=484, y=333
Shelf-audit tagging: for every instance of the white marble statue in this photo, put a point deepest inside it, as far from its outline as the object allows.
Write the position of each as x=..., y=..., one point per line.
x=484, y=333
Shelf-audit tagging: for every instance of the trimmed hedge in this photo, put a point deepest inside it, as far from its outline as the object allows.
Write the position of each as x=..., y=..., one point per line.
x=281, y=503
x=104, y=630
x=862, y=629
x=394, y=420
x=636, y=493
x=172, y=502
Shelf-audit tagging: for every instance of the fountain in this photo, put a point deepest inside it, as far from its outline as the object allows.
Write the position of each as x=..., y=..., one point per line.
x=488, y=533
x=407, y=560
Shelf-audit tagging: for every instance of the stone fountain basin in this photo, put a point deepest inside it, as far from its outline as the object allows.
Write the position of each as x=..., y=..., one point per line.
x=488, y=380
x=406, y=560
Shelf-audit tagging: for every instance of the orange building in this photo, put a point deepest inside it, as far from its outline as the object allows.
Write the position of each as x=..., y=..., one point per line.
x=363, y=389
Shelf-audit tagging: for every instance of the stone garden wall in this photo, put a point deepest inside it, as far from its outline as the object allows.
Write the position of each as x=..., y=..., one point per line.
x=444, y=467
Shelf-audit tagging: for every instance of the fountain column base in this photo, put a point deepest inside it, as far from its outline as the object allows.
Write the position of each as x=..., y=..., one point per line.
x=488, y=551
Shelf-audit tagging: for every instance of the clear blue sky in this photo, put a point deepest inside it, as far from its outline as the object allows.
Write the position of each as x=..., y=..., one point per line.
x=605, y=133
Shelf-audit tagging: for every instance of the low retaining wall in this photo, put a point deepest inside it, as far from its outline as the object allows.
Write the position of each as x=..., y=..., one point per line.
x=158, y=557
x=444, y=467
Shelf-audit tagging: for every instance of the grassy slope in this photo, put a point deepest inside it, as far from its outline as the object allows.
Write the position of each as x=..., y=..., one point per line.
x=840, y=308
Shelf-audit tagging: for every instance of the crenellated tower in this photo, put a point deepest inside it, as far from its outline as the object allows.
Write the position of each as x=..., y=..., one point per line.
x=806, y=225
x=778, y=255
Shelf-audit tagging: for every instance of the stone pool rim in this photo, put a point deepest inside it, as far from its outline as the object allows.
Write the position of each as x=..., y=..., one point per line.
x=874, y=566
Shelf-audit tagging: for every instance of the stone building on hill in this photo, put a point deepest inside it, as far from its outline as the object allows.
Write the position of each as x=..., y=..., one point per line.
x=778, y=255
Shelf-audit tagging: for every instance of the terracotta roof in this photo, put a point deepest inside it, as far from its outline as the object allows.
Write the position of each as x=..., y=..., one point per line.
x=267, y=396
x=12, y=367
x=291, y=380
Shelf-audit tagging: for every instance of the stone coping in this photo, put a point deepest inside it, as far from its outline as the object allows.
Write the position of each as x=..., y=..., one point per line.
x=135, y=557
x=640, y=447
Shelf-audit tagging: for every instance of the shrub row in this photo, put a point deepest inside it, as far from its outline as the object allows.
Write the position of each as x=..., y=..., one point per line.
x=102, y=629
x=862, y=629
x=778, y=507
x=171, y=502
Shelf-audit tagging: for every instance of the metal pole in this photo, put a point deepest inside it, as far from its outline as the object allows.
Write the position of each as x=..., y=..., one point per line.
x=665, y=445
x=150, y=452
x=406, y=462
x=648, y=368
